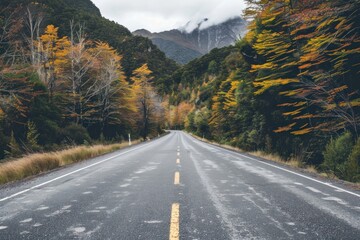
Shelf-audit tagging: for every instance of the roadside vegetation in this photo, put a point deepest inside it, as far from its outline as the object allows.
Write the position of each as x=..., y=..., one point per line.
x=288, y=90
x=74, y=79
x=34, y=164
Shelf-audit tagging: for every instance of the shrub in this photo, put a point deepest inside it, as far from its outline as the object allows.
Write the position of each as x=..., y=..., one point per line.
x=49, y=132
x=336, y=153
x=76, y=134
x=353, y=164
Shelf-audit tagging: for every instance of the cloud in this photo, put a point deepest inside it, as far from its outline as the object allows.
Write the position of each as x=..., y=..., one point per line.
x=160, y=15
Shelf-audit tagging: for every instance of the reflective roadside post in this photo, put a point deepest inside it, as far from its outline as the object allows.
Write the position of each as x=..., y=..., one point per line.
x=129, y=140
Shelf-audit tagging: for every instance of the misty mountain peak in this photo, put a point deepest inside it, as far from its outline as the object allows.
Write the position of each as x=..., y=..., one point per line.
x=196, y=38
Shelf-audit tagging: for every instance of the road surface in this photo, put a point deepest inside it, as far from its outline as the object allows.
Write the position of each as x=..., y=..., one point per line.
x=177, y=186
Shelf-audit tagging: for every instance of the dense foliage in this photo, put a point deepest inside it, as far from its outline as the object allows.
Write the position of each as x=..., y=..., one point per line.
x=69, y=76
x=289, y=87
x=136, y=50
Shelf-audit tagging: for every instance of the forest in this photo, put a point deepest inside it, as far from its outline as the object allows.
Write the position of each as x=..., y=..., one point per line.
x=289, y=87
x=70, y=77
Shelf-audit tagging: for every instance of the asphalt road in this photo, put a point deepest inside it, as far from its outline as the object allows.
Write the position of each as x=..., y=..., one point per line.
x=178, y=186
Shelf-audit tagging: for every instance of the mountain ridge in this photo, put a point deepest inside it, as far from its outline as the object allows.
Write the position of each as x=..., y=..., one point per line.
x=135, y=49
x=184, y=45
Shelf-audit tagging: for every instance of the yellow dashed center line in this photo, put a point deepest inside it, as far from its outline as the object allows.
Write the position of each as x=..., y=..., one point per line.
x=175, y=209
x=177, y=178
x=174, y=222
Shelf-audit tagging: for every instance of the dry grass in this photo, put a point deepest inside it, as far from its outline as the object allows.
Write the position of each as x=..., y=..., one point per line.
x=293, y=162
x=267, y=156
x=34, y=164
x=311, y=169
x=357, y=186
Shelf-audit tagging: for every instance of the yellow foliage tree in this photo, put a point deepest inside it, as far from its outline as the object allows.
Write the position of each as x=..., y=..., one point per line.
x=224, y=103
x=115, y=98
x=145, y=98
x=54, y=54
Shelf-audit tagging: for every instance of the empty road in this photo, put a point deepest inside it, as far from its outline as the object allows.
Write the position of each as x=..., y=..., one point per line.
x=177, y=187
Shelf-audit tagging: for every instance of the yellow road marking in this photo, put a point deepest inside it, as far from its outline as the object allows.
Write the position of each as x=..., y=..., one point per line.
x=177, y=161
x=174, y=222
x=177, y=178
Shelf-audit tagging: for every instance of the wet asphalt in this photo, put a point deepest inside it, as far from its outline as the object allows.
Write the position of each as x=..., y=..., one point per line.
x=221, y=194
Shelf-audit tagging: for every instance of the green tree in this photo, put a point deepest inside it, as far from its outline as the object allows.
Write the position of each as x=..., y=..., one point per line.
x=32, y=137
x=336, y=153
x=14, y=148
x=213, y=67
x=353, y=163
x=201, y=122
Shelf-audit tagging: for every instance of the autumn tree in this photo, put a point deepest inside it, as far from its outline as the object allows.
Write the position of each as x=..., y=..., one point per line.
x=254, y=7
x=53, y=51
x=16, y=96
x=224, y=105
x=328, y=64
x=12, y=46
x=145, y=98
x=178, y=114
x=115, y=98
x=275, y=48
x=5, y=24
x=33, y=21
x=307, y=54
x=80, y=81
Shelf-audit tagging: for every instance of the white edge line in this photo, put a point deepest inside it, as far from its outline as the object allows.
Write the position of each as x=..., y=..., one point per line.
x=298, y=174
x=284, y=169
x=70, y=173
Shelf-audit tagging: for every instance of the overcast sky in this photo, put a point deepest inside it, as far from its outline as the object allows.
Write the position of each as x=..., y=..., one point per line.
x=160, y=15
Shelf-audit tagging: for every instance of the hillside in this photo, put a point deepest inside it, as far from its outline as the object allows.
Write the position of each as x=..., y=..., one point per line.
x=69, y=76
x=61, y=12
x=288, y=89
x=183, y=45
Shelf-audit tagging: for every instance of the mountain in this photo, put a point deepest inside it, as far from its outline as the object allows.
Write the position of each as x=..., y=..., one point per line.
x=136, y=50
x=188, y=43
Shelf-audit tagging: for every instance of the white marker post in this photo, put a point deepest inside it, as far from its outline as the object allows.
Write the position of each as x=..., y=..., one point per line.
x=129, y=140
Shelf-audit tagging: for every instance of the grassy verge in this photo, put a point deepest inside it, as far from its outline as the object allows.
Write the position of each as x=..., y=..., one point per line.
x=293, y=162
x=37, y=163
